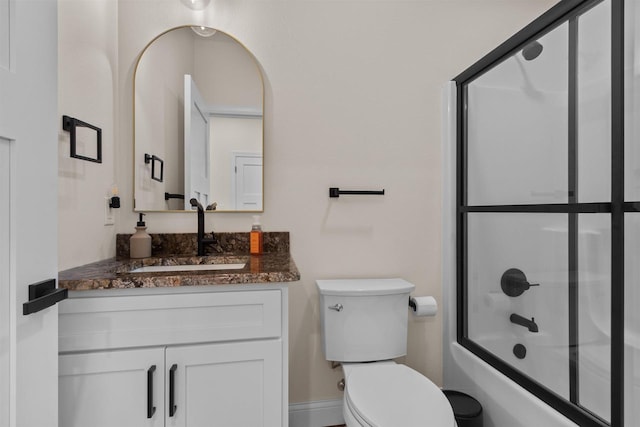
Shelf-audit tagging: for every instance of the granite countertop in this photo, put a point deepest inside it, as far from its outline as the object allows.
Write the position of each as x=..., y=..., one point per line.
x=275, y=265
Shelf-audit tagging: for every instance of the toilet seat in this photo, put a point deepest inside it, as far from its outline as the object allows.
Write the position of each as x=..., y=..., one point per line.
x=392, y=395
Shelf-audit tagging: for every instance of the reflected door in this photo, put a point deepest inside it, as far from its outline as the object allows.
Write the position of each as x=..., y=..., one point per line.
x=196, y=145
x=248, y=182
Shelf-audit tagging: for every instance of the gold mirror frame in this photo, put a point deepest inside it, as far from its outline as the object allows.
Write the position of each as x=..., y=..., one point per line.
x=262, y=106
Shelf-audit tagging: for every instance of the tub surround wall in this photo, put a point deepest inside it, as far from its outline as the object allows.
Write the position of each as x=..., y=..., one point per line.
x=463, y=370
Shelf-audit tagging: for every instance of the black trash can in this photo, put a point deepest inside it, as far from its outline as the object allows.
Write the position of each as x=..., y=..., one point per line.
x=466, y=409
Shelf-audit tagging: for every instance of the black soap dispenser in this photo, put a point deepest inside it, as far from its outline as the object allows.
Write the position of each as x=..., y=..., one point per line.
x=140, y=242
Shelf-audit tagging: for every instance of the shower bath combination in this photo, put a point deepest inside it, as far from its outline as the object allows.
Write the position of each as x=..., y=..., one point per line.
x=535, y=177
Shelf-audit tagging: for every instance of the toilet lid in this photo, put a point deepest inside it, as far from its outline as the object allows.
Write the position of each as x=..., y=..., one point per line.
x=396, y=395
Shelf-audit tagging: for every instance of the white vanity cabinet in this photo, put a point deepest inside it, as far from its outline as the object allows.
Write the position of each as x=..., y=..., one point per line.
x=217, y=357
x=113, y=388
x=234, y=384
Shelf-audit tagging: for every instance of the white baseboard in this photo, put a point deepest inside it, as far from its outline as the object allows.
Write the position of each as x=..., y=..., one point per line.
x=320, y=413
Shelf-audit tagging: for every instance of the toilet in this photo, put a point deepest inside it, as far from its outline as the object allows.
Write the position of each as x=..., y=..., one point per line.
x=364, y=327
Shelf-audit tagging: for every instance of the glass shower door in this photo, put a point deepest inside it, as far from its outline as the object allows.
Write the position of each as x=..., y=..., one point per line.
x=534, y=214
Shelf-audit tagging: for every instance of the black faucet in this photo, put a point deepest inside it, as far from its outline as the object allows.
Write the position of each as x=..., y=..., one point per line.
x=523, y=321
x=202, y=241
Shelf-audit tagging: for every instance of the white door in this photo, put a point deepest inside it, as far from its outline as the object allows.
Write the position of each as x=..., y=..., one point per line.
x=120, y=388
x=233, y=384
x=29, y=126
x=248, y=182
x=196, y=145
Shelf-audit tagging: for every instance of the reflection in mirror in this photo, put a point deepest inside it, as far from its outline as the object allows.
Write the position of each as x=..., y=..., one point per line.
x=198, y=105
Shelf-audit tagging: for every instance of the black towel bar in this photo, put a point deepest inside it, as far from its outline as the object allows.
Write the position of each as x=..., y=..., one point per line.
x=336, y=192
x=168, y=196
x=70, y=124
x=153, y=159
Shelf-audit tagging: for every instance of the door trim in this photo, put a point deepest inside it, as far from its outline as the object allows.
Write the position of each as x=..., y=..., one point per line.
x=234, y=174
x=8, y=296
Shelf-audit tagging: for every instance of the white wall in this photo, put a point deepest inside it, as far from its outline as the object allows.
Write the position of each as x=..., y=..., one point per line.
x=227, y=75
x=87, y=82
x=352, y=100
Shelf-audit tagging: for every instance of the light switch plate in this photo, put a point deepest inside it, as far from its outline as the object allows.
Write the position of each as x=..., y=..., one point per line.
x=108, y=212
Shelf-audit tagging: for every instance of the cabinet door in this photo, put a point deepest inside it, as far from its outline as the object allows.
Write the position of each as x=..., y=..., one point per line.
x=230, y=385
x=112, y=389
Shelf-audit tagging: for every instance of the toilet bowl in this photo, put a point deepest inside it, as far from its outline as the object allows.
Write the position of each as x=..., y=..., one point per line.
x=364, y=326
x=386, y=394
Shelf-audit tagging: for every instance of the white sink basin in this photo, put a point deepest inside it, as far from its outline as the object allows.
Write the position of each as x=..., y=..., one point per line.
x=186, y=267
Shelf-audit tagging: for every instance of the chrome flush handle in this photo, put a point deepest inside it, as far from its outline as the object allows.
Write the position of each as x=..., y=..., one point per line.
x=337, y=307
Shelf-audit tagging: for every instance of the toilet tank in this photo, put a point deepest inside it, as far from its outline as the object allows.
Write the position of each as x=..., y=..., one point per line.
x=364, y=319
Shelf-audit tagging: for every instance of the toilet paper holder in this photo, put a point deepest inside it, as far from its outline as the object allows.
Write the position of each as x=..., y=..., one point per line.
x=423, y=306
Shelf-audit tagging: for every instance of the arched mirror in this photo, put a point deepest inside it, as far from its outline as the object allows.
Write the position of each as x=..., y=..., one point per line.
x=198, y=123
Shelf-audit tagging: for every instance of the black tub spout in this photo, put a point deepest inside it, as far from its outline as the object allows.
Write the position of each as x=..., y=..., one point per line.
x=523, y=321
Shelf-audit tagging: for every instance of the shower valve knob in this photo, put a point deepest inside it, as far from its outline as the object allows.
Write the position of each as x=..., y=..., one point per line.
x=514, y=282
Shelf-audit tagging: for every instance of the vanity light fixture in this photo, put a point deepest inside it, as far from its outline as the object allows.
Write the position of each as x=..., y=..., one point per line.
x=203, y=31
x=196, y=4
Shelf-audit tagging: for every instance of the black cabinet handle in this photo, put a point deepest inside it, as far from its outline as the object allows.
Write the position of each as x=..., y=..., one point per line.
x=150, y=408
x=172, y=390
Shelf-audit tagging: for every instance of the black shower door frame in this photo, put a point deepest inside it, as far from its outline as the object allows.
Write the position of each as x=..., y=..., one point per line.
x=565, y=11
